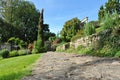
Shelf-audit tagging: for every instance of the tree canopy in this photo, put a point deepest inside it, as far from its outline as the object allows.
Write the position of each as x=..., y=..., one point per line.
x=110, y=7
x=23, y=16
x=70, y=29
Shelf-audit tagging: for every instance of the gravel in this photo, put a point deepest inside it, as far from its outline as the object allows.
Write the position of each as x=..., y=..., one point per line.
x=65, y=66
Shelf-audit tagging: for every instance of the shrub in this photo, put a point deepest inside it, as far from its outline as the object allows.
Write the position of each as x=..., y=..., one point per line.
x=79, y=35
x=89, y=29
x=39, y=44
x=23, y=52
x=13, y=53
x=34, y=51
x=110, y=21
x=70, y=29
x=107, y=51
x=38, y=48
x=22, y=44
x=84, y=50
x=11, y=40
x=117, y=54
x=18, y=42
x=4, y=53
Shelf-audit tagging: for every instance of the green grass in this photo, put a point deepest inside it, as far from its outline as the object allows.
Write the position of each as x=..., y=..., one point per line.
x=17, y=67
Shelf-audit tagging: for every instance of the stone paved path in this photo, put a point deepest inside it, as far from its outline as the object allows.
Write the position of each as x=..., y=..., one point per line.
x=61, y=66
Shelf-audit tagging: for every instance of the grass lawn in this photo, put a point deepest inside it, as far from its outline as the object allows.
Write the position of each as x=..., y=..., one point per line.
x=17, y=67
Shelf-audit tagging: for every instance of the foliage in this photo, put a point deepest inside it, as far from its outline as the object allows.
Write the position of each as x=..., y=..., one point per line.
x=96, y=24
x=110, y=7
x=17, y=41
x=70, y=29
x=38, y=48
x=110, y=21
x=101, y=13
x=6, y=30
x=38, y=45
x=49, y=35
x=25, y=23
x=4, y=53
x=89, y=29
x=117, y=54
x=69, y=50
x=22, y=44
x=51, y=39
x=78, y=35
x=110, y=43
x=17, y=67
x=11, y=40
x=13, y=53
x=83, y=50
x=23, y=52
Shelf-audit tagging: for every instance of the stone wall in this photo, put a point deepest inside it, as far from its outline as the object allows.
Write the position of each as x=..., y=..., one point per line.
x=63, y=47
x=84, y=41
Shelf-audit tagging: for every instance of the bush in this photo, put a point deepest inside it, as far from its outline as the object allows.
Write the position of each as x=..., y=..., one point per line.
x=84, y=50
x=17, y=41
x=117, y=54
x=13, y=53
x=38, y=48
x=4, y=53
x=79, y=35
x=110, y=21
x=89, y=29
x=23, y=52
x=34, y=51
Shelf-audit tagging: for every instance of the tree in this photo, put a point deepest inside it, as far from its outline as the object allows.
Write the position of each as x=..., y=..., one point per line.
x=110, y=7
x=111, y=21
x=8, y=8
x=47, y=35
x=39, y=45
x=6, y=30
x=29, y=21
x=70, y=29
x=22, y=15
x=101, y=13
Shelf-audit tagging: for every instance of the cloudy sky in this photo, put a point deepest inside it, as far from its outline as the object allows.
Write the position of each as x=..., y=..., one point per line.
x=57, y=12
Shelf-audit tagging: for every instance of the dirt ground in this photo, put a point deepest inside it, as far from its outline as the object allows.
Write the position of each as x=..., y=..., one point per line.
x=62, y=66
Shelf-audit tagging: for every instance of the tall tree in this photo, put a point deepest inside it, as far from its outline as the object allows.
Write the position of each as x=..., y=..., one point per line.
x=112, y=6
x=6, y=30
x=39, y=45
x=70, y=29
x=28, y=21
x=22, y=15
x=101, y=13
x=8, y=8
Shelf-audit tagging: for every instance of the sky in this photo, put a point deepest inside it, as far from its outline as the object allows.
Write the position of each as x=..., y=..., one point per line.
x=57, y=12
